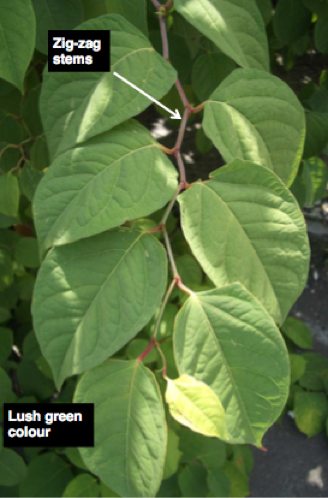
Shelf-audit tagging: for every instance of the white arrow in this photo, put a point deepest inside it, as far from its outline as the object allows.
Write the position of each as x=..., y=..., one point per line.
x=174, y=115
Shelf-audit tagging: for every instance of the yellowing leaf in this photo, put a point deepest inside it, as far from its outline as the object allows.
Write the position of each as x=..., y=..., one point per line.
x=195, y=405
x=225, y=338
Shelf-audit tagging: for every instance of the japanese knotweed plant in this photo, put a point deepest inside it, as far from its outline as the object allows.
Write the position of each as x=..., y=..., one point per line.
x=105, y=273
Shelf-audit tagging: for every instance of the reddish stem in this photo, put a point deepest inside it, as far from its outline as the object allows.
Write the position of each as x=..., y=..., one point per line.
x=165, y=41
x=149, y=348
x=182, y=94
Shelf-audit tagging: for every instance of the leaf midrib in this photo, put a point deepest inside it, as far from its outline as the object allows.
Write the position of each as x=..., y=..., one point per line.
x=67, y=356
x=248, y=239
x=228, y=369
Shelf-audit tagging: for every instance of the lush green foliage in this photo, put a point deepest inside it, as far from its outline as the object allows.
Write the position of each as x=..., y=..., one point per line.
x=158, y=299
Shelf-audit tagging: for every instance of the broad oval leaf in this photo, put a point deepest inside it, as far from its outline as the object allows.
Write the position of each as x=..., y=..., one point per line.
x=113, y=178
x=93, y=296
x=226, y=339
x=255, y=116
x=130, y=427
x=245, y=225
x=17, y=40
x=78, y=106
x=236, y=27
x=195, y=405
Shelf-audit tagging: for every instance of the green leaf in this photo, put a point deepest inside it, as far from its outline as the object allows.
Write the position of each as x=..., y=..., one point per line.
x=316, y=372
x=78, y=106
x=12, y=468
x=246, y=213
x=297, y=332
x=210, y=451
x=6, y=269
x=47, y=475
x=235, y=27
x=6, y=392
x=17, y=38
x=33, y=382
x=266, y=9
x=239, y=485
x=291, y=20
x=189, y=270
x=27, y=252
x=117, y=177
x=39, y=154
x=243, y=458
x=208, y=71
x=135, y=11
x=29, y=179
x=218, y=483
x=9, y=195
x=311, y=411
x=315, y=174
x=297, y=367
x=123, y=279
x=4, y=314
x=75, y=458
x=318, y=6
x=6, y=341
x=226, y=339
x=82, y=485
x=173, y=455
x=192, y=480
x=255, y=116
x=130, y=428
x=316, y=133
x=136, y=347
x=195, y=405
x=55, y=14
x=320, y=32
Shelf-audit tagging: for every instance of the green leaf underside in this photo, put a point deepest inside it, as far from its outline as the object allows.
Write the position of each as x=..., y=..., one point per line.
x=195, y=405
x=93, y=296
x=130, y=427
x=17, y=38
x=244, y=225
x=78, y=106
x=119, y=176
x=255, y=116
x=236, y=27
x=226, y=339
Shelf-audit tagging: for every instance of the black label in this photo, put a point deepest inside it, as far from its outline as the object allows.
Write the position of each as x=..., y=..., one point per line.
x=78, y=50
x=48, y=424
